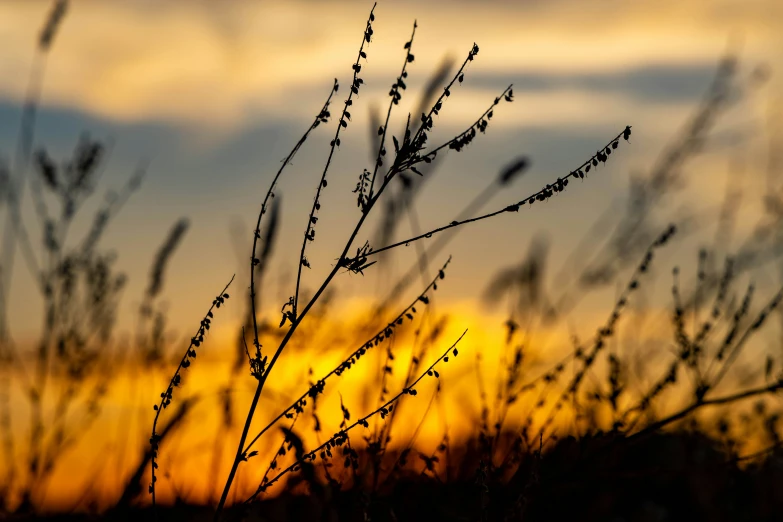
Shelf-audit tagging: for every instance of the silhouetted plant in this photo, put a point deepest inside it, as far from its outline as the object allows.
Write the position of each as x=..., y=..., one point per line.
x=80, y=289
x=340, y=438
x=503, y=471
x=409, y=152
x=176, y=379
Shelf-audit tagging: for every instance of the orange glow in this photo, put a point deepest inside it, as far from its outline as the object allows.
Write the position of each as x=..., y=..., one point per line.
x=207, y=93
x=98, y=467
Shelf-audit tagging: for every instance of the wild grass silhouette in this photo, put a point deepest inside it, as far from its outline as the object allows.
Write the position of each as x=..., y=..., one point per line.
x=636, y=443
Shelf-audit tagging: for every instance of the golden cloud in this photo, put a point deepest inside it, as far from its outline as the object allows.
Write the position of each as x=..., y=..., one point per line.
x=220, y=66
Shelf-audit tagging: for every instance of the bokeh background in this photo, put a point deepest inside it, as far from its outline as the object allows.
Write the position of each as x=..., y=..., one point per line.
x=212, y=96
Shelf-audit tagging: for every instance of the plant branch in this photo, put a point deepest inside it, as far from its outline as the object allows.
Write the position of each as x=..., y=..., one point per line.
x=349, y=361
x=395, y=98
x=312, y=219
x=165, y=397
x=297, y=317
x=340, y=437
x=542, y=195
x=700, y=404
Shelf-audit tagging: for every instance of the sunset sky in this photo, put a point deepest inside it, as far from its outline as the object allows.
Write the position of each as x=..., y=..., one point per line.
x=213, y=95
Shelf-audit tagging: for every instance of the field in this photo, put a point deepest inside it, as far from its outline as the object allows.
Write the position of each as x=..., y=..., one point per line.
x=537, y=279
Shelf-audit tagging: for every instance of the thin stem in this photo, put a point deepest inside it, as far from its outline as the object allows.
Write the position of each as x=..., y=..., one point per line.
x=256, y=236
x=411, y=441
x=25, y=138
x=321, y=118
x=273, y=463
x=433, y=152
x=165, y=397
x=757, y=323
x=309, y=234
x=297, y=318
x=346, y=363
x=404, y=281
x=607, y=330
x=699, y=404
x=384, y=410
x=281, y=347
x=294, y=315
x=543, y=194
x=446, y=90
x=394, y=100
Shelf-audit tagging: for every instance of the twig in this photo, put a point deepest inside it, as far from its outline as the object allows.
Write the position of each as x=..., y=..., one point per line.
x=395, y=98
x=542, y=195
x=165, y=397
x=349, y=361
x=309, y=234
x=256, y=236
x=700, y=404
x=340, y=438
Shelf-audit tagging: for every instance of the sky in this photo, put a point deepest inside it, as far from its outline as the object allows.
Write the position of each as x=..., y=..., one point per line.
x=212, y=96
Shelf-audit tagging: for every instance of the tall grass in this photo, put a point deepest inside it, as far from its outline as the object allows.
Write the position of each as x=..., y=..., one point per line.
x=409, y=152
x=541, y=427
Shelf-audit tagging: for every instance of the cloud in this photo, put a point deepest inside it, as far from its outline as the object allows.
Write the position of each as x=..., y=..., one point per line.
x=220, y=67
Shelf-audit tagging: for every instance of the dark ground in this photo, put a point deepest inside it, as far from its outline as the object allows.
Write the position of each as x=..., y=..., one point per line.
x=666, y=477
